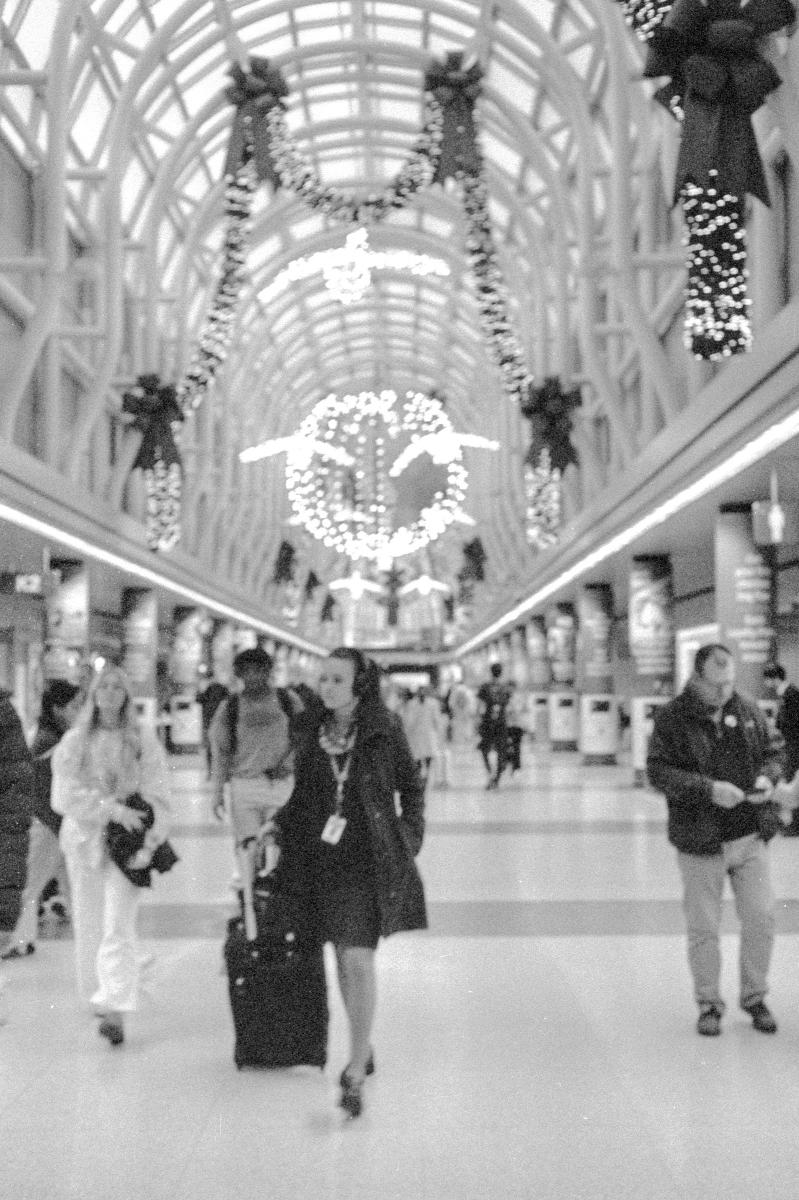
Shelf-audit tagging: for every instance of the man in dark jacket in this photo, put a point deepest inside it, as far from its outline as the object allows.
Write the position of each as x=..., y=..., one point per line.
x=712, y=756
x=16, y=804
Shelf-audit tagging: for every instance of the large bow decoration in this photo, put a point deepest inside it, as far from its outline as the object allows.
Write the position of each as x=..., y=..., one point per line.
x=456, y=89
x=719, y=78
x=549, y=408
x=254, y=93
x=155, y=412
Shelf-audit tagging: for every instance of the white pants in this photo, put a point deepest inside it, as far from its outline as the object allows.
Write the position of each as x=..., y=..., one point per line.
x=104, y=907
x=44, y=862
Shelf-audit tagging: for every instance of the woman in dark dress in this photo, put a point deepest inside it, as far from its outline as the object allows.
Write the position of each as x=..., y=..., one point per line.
x=353, y=841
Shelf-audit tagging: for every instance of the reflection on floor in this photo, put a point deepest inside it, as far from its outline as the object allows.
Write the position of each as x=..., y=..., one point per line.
x=537, y=1042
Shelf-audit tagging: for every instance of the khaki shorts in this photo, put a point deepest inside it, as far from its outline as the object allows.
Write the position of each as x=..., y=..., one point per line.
x=255, y=801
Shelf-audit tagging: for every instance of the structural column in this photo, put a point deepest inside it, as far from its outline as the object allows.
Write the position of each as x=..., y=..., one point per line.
x=745, y=597
x=562, y=700
x=67, y=608
x=599, y=725
x=140, y=648
x=651, y=638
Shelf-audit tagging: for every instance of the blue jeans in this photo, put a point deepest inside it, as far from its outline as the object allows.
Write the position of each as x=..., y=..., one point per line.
x=745, y=861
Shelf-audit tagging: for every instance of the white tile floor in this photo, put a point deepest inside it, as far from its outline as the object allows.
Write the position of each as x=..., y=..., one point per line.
x=537, y=1043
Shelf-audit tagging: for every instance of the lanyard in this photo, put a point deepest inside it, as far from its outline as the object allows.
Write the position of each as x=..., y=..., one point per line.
x=340, y=774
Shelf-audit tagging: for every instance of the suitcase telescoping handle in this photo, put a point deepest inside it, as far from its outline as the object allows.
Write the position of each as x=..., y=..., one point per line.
x=246, y=859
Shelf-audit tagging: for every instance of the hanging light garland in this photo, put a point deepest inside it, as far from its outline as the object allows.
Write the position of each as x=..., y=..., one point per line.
x=716, y=301
x=718, y=79
x=157, y=414
x=542, y=491
x=644, y=16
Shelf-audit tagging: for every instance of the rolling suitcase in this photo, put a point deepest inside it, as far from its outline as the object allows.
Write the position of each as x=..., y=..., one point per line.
x=276, y=978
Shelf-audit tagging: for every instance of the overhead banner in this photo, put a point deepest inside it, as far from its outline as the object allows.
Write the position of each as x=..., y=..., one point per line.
x=651, y=624
x=594, y=627
x=745, y=597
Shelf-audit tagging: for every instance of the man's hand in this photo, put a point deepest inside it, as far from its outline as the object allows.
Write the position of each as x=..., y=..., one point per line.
x=219, y=806
x=764, y=790
x=727, y=795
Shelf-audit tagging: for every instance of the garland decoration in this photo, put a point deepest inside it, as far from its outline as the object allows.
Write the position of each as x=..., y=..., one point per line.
x=298, y=174
x=156, y=414
x=492, y=293
x=217, y=333
x=718, y=79
x=254, y=93
x=549, y=409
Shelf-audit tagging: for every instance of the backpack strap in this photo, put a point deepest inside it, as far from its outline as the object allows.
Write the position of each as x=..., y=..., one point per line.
x=232, y=716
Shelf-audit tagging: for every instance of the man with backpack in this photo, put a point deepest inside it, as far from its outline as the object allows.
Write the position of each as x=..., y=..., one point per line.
x=251, y=739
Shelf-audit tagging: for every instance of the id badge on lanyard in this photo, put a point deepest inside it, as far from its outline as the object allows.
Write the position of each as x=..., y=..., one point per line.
x=336, y=823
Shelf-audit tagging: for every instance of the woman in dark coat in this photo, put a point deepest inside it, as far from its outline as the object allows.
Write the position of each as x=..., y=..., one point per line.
x=341, y=823
x=61, y=702
x=16, y=788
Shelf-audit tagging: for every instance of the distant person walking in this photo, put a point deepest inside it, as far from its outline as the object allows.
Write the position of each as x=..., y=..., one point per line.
x=492, y=728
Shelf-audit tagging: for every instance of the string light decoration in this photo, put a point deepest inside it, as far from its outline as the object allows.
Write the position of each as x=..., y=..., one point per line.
x=157, y=415
x=718, y=78
x=298, y=174
x=492, y=293
x=542, y=492
x=717, y=305
x=644, y=16
x=353, y=262
x=331, y=502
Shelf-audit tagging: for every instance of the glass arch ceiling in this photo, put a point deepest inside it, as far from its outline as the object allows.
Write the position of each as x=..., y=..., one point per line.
x=135, y=90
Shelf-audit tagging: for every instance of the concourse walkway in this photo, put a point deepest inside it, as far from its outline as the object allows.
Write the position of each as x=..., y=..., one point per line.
x=538, y=1043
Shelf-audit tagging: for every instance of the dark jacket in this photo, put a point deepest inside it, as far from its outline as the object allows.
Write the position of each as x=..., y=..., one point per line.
x=381, y=766
x=679, y=764
x=123, y=843
x=16, y=804
x=45, y=740
x=788, y=725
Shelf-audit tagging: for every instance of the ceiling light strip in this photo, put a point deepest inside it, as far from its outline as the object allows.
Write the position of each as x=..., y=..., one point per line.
x=23, y=520
x=765, y=443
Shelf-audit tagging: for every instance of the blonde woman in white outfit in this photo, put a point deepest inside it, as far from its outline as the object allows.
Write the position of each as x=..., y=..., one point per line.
x=101, y=760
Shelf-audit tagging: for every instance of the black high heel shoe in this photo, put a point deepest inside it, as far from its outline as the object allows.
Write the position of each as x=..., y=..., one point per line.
x=111, y=1027
x=351, y=1099
x=369, y=1070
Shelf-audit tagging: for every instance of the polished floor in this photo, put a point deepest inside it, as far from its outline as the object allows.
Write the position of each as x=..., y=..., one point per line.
x=537, y=1043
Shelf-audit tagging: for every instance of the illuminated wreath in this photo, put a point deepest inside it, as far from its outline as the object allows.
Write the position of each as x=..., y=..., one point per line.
x=326, y=472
